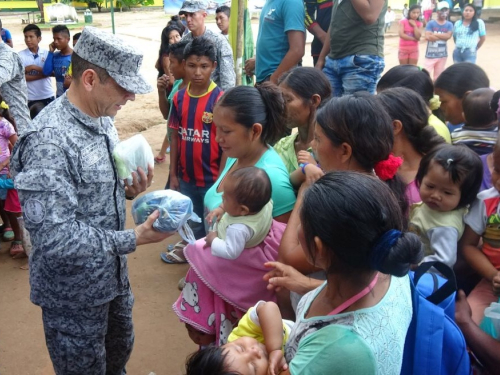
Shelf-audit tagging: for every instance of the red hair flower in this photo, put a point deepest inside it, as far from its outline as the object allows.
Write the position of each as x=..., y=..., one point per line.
x=387, y=169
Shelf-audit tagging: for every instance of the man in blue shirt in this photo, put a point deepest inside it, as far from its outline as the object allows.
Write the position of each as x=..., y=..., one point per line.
x=281, y=40
x=5, y=34
x=57, y=63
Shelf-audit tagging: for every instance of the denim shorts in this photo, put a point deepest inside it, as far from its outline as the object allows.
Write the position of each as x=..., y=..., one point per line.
x=354, y=73
x=464, y=55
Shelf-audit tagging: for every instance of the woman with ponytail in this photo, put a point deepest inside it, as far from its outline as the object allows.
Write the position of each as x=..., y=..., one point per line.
x=418, y=80
x=413, y=138
x=219, y=291
x=353, y=133
x=248, y=120
x=352, y=228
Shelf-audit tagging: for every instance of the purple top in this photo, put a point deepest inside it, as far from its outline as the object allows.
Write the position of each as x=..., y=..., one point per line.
x=412, y=193
x=486, y=183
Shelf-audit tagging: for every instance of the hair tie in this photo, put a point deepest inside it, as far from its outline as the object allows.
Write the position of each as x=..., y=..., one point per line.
x=382, y=247
x=434, y=103
x=387, y=169
x=4, y=105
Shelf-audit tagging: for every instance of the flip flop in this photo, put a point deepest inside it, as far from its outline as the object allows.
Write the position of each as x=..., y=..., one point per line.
x=175, y=258
x=8, y=234
x=17, y=250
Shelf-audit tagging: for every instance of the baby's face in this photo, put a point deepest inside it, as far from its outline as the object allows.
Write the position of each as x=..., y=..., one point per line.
x=246, y=356
x=231, y=206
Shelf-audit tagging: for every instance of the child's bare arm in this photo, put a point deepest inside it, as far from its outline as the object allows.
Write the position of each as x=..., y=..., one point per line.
x=475, y=257
x=272, y=330
x=297, y=178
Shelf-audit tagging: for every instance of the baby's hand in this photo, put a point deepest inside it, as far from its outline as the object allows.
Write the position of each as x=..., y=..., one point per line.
x=496, y=283
x=277, y=362
x=215, y=214
x=305, y=156
x=313, y=173
x=209, y=239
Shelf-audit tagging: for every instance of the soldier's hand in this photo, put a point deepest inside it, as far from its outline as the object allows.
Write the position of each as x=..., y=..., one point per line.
x=145, y=233
x=140, y=182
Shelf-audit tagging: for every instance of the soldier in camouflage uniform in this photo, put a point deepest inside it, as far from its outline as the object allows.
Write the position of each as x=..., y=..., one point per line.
x=74, y=209
x=195, y=12
x=13, y=86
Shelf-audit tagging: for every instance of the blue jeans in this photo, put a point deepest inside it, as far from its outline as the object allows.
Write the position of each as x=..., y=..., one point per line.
x=354, y=73
x=464, y=55
x=197, y=195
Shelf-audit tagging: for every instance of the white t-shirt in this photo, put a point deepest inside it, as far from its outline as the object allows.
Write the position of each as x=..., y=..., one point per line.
x=41, y=88
x=390, y=16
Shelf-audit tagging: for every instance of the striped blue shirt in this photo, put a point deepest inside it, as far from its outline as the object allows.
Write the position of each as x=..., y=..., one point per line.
x=464, y=39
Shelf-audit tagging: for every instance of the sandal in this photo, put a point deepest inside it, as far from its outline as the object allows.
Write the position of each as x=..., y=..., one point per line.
x=159, y=160
x=17, y=250
x=175, y=256
x=8, y=234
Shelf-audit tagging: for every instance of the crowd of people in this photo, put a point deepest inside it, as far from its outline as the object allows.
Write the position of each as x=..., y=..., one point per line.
x=469, y=34
x=320, y=188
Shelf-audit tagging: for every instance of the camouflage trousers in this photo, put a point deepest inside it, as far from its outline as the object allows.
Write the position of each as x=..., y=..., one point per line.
x=93, y=340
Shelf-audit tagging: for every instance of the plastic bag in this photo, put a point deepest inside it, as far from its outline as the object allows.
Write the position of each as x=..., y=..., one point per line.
x=175, y=210
x=491, y=320
x=133, y=153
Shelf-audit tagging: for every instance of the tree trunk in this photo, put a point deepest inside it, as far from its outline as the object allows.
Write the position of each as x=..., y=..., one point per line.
x=39, y=4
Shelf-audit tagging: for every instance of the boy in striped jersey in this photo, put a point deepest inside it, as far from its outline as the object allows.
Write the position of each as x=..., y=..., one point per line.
x=195, y=156
x=480, y=131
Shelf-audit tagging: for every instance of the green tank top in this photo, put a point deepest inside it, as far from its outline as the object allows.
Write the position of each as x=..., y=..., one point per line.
x=350, y=35
x=260, y=223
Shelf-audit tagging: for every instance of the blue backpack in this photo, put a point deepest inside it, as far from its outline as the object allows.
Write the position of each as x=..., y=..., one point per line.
x=434, y=343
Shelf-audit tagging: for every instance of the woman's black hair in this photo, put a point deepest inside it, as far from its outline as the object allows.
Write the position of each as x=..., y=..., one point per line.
x=361, y=121
x=5, y=113
x=463, y=165
x=411, y=77
x=474, y=23
x=165, y=34
x=350, y=212
x=408, y=107
x=263, y=104
x=164, y=46
x=209, y=360
x=306, y=82
x=412, y=8
x=176, y=21
x=460, y=78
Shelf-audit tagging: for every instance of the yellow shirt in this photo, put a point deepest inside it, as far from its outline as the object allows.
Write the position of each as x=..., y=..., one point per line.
x=249, y=326
x=440, y=128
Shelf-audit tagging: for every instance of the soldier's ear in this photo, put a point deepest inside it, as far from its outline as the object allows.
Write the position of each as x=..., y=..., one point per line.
x=89, y=79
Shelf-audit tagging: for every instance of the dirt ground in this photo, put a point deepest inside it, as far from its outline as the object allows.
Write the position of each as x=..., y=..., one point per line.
x=161, y=341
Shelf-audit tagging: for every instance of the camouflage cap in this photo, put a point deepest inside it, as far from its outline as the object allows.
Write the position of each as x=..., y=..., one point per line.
x=191, y=6
x=119, y=59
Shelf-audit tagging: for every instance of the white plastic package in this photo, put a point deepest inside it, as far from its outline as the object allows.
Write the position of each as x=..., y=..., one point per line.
x=175, y=210
x=133, y=153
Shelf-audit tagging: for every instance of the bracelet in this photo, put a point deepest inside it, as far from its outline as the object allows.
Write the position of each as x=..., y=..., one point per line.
x=303, y=167
x=129, y=198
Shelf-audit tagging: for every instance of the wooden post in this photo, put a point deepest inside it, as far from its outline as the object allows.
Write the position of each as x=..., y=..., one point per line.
x=240, y=40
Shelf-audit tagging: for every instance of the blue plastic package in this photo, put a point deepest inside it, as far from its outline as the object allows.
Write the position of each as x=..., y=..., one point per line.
x=491, y=320
x=175, y=210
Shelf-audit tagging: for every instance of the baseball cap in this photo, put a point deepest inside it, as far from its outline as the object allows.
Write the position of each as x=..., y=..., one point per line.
x=120, y=60
x=191, y=6
x=443, y=5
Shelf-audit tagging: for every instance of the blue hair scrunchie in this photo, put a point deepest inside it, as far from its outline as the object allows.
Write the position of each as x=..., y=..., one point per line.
x=382, y=246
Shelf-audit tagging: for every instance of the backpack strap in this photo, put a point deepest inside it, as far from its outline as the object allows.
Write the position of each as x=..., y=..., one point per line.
x=447, y=289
